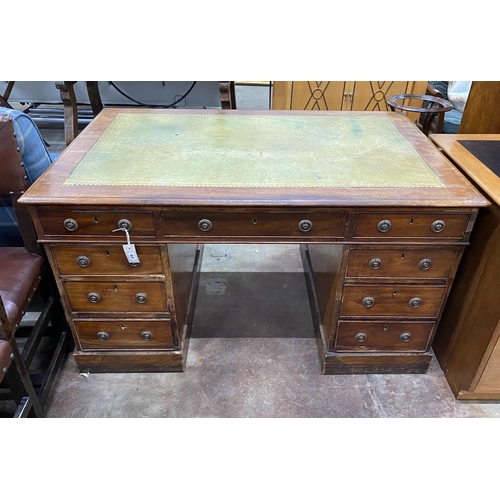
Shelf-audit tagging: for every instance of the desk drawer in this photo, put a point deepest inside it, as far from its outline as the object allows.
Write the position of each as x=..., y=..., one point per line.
x=106, y=259
x=125, y=334
x=254, y=224
x=392, y=300
x=401, y=262
x=73, y=223
x=383, y=336
x=116, y=296
x=410, y=225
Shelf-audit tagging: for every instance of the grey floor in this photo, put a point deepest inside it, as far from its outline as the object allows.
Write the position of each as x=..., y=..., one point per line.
x=252, y=351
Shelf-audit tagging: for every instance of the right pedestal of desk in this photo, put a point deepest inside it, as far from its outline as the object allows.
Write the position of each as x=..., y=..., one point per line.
x=467, y=343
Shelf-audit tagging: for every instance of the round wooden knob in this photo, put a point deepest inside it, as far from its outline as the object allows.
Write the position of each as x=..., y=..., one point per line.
x=384, y=225
x=125, y=224
x=415, y=302
x=425, y=264
x=94, y=297
x=360, y=337
x=368, y=301
x=103, y=336
x=375, y=263
x=305, y=225
x=83, y=261
x=205, y=225
x=70, y=224
x=437, y=226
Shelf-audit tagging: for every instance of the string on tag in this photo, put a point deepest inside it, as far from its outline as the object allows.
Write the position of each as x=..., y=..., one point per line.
x=126, y=232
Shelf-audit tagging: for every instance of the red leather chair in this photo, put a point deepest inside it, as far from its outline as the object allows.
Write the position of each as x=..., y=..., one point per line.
x=22, y=275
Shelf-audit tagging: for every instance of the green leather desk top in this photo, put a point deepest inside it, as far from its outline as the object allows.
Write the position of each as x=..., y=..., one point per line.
x=143, y=157
x=246, y=151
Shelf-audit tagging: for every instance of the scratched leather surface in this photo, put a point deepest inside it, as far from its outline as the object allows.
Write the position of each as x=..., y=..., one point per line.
x=205, y=150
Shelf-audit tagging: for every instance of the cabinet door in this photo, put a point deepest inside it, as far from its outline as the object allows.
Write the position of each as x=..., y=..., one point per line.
x=322, y=96
x=345, y=96
x=372, y=96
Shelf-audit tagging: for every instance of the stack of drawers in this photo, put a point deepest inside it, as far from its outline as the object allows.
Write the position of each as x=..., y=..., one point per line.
x=390, y=285
x=122, y=313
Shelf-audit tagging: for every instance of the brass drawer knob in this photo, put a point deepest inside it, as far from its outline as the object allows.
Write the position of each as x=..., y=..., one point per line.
x=205, y=225
x=415, y=302
x=305, y=225
x=103, y=336
x=83, y=261
x=125, y=224
x=384, y=225
x=360, y=337
x=425, y=264
x=368, y=301
x=437, y=226
x=375, y=263
x=94, y=297
x=142, y=298
x=70, y=224
x=405, y=337
x=146, y=335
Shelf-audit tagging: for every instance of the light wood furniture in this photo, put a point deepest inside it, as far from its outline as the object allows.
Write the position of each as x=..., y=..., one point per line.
x=381, y=216
x=467, y=342
x=342, y=95
x=481, y=114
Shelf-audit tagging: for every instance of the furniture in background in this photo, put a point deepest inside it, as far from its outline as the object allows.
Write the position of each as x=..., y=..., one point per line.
x=341, y=95
x=76, y=97
x=480, y=115
x=24, y=277
x=432, y=109
x=35, y=160
x=467, y=342
x=124, y=212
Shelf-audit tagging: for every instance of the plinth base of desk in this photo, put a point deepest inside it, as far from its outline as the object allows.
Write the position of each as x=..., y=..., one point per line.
x=123, y=362
x=336, y=364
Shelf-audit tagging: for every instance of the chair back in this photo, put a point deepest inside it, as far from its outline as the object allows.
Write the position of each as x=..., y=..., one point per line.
x=13, y=179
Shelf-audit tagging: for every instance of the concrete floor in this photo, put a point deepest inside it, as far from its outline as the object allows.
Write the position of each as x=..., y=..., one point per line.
x=249, y=360
x=251, y=355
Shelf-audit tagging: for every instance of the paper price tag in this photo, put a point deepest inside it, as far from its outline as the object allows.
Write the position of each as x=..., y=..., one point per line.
x=131, y=254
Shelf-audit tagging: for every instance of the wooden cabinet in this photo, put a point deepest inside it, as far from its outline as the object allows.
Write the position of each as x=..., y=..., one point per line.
x=467, y=342
x=341, y=95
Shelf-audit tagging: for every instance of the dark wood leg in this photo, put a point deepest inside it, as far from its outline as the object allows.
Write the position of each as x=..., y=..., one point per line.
x=227, y=95
x=5, y=97
x=94, y=97
x=70, y=110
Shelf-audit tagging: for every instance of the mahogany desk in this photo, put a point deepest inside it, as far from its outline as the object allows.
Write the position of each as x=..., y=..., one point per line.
x=381, y=216
x=467, y=342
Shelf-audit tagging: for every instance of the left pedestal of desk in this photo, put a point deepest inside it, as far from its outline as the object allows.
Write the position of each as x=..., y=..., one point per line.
x=125, y=316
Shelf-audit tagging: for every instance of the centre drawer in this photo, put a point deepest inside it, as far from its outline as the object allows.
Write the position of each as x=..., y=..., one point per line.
x=329, y=224
x=125, y=334
x=401, y=262
x=392, y=300
x=106, y=259
x=116, y=296
x=76, y=223
x=382, y=336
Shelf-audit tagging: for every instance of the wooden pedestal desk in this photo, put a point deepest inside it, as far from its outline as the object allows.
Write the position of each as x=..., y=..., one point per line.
x=381, y=216
x=467, y=343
